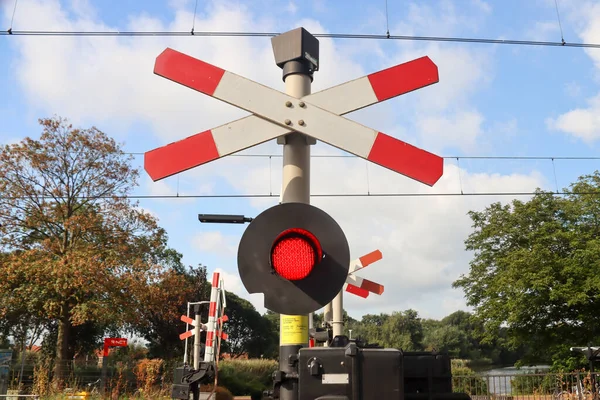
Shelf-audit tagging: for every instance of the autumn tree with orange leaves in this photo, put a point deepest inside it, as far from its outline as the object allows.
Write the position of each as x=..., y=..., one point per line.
x=76, y=249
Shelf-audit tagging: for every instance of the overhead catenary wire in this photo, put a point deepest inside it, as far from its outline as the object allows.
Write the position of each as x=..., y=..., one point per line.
x=12, y=19
x=318, y=35
x=331, y=195
x=562, y=36
x=446, y=157
x=387, y=20
x=546, y=158
x=194, y=17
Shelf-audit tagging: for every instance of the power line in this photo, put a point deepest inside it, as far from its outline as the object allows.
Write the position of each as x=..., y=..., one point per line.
x=267, y=155
x=330, y=195
x=321, y=35
x=562, y=37
x=546, y=158
x=13, y=17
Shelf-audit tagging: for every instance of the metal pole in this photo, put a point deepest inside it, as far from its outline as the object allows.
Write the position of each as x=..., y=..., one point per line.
x=338, y=315
x=197, y=343
x=297, y=53
x=295, y=188
x=327, y=317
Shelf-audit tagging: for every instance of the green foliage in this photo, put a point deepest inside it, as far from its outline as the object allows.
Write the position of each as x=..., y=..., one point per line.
x=249, y=332
x=402, y=330
x=247, y=377
x=535, y=270
x=564, y=360
x=533, y=383
x=465, y=380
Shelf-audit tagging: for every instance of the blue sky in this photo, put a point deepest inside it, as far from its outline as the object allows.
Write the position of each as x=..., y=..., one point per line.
x=492, y=100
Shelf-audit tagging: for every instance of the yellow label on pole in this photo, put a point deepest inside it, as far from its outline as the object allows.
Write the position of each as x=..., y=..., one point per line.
x=294, y=330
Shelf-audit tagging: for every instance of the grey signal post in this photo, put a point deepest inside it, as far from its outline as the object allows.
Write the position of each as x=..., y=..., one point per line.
x=297, y=53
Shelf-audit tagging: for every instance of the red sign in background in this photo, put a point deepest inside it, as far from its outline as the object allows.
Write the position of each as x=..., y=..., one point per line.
x=113, y=342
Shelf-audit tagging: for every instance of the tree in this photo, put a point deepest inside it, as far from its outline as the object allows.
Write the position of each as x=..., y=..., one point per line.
x=248, y=331
x=163, y=328
x=536, y=269
x=447, y=339
x=77, y=249
x=403, y=330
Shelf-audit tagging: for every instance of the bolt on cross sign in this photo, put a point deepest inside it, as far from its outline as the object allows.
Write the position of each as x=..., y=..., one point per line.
x=275, y=114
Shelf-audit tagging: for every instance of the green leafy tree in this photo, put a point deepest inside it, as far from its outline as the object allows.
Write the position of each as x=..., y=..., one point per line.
x=77, y=250
x=535, y=269
x=274, y=320
x=403, y=330
x=249, y=332
x=444, y=337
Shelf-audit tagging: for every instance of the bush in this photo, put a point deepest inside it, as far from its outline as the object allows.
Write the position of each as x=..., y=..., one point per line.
x=465, y=380
x=247, y=377
x=533, y=383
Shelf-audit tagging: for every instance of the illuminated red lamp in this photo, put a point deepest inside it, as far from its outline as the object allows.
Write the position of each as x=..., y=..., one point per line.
x=294, y=254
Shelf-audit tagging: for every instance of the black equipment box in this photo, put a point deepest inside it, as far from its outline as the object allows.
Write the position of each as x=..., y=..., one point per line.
x=427, y=372
x=350, y=373
x=180, y=390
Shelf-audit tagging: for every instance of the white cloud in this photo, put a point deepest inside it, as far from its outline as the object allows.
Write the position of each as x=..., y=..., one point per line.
x=292, y=7
x=463, y=72
x=421, y=238
x=110, y=80
x=484, y=6
x=463, y=128
x=215, y=242
x=544, y=31
x=583, y=122
x=573, y=89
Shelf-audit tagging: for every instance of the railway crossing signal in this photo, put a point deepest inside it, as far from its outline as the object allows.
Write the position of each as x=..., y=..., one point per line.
x=294, y=253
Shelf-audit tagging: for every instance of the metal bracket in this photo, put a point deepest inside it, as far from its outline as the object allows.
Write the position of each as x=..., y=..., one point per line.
x=309, y=140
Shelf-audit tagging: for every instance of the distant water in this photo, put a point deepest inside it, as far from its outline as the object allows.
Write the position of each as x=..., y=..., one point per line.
x=498, y=379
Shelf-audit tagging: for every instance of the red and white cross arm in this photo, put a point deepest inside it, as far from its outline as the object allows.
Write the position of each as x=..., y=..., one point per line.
x=190, y=321
x=317, y=115
x=360, y=286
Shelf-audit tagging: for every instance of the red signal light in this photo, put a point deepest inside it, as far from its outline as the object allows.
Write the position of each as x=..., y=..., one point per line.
x=294, y=254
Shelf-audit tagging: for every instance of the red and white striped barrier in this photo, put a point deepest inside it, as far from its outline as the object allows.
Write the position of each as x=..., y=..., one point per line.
x=216, y=319
x=215, y=322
